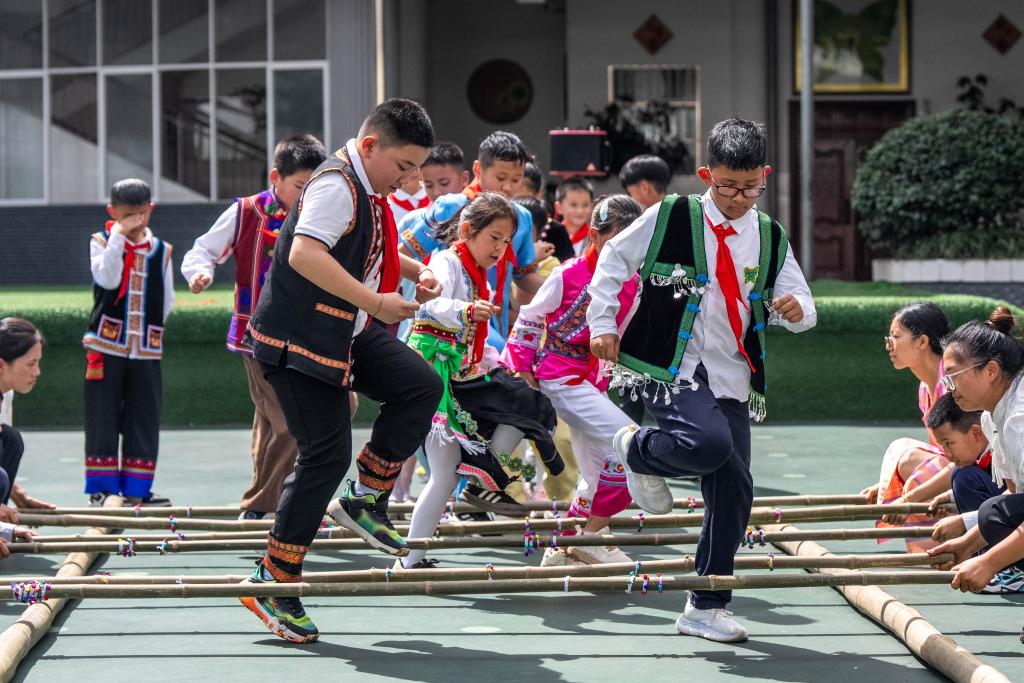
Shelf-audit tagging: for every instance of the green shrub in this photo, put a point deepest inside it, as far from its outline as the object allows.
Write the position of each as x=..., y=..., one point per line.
x=944, y=186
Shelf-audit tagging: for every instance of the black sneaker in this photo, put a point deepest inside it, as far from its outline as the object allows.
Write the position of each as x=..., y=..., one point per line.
x=425, y=563
x=474, y=517
x=96, y=500
x=150, y=500
x=255, y=514
x=285, y=617
x=368, y=517
x=498, y=502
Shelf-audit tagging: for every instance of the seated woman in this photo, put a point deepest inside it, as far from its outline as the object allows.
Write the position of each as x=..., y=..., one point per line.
x=21, y=347
x=914, y=471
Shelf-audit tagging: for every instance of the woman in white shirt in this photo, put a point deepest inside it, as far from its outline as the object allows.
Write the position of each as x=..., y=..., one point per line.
x=983, y=370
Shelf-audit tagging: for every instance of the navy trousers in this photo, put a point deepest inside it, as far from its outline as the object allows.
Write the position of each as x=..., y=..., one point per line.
x=11, y=449
x=699, y=435
x=972, y=486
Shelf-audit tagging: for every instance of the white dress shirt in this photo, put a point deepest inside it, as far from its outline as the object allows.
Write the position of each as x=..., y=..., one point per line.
x=327, y=208
x=712, y=342
x=212, y=248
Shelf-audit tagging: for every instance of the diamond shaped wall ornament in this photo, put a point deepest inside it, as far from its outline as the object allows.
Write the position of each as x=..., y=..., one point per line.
x=653, y=34
x=1002, y=34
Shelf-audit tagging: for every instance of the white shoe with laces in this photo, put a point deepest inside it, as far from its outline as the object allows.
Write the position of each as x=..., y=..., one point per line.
x=651, y=493
x=712, y=624
x=597, y=554
x=557, y=557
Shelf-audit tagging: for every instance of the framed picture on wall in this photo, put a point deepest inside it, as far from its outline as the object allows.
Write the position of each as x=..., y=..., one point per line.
x=860, y=46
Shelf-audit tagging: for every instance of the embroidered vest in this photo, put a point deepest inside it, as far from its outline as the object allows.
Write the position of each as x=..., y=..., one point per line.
x=138, y=318
x=293, y=314
x=674, y=275
x=256, y=227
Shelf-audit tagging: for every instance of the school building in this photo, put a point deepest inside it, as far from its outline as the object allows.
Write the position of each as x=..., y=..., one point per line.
x=191, y=94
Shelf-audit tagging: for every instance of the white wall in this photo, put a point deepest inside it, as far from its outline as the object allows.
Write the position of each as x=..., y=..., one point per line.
x=726, y=39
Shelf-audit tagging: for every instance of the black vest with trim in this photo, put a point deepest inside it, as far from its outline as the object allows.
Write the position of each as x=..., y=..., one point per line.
x=111, y=321
x=674, y=276
x=293, y=314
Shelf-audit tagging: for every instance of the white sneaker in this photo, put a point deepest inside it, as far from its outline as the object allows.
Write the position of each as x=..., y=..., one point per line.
x=713, y=624
x=596, y=554
x=651, y=493
x=557, y=557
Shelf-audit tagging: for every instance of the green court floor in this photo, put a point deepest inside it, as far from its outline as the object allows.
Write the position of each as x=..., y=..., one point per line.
x=796, y=634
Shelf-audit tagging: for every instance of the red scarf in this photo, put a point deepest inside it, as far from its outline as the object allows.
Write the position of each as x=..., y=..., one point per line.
x=581, y=234
x=391, y=269
x=509, y=257
x=728, y=283
x=407, y=203
x=129, y=263
x=590, y=256
x=478, y=276
x=473, y=189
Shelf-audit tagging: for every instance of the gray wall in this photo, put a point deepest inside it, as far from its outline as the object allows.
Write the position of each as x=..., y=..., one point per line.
x=351, y=53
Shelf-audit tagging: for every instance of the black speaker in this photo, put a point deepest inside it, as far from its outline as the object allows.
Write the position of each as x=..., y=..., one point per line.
x=579, y=152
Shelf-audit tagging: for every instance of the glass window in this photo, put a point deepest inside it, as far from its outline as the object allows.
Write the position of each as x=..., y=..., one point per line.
x=127, y=32
x=299, y=29
x=74, y=155
x=241, y=30
x=129, y=127
x=184, y=31
x=21, y=138
x=241, y=131
x=21, y=35
x=185, y=135
x=298, y=102
x=72, y=32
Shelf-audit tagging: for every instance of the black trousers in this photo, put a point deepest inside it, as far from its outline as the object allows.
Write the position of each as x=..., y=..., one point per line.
x=998, y=517
x=384, y=370
x=127, y=401
x=699, y=435
x=11, y=449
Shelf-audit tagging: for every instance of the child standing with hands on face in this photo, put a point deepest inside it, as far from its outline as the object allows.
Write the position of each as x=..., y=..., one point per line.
x=695, y=348
x=133, y=291
x=484, y=413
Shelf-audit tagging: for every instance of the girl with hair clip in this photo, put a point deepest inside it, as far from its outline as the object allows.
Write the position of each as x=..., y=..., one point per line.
x=983, y=369
x=550, y=348
x=484, y=413
x=914, y=471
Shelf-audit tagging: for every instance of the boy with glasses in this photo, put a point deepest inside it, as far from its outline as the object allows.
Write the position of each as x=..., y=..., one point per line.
x=715, y=272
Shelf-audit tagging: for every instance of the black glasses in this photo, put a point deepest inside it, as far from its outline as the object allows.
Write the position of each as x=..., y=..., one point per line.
x=731, y=191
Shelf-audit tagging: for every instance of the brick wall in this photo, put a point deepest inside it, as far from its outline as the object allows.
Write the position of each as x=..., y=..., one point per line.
x=49, y=244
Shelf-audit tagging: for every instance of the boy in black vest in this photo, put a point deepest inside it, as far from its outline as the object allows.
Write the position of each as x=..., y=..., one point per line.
x=318, y=333
x=715, y=272
x=133, y=291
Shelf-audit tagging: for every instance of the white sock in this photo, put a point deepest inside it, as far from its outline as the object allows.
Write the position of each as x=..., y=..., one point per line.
x=361, y=490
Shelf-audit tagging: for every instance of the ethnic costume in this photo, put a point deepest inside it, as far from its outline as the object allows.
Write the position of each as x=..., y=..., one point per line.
x=133, y=293
x=551, y=339
x=694, y=351
x=249, y=229
x=484, y=413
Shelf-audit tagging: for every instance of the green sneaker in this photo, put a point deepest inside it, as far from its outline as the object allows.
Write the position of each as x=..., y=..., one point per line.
x=285, y=617
x=368, y=517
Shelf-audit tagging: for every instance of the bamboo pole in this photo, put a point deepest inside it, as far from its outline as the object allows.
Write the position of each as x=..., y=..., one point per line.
x=377, y=574
x=436, y=543
x=757, y=515
x=35, y=621
x=589, y=584
x=924, y=640
x=198, y=511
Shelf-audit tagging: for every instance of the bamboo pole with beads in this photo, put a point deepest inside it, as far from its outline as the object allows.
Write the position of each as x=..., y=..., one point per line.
x=16, y=640
x=940, y=651
x=377, y=574
x=589, y=584
x=203, y=511
x=757, y=515
x=624, y=540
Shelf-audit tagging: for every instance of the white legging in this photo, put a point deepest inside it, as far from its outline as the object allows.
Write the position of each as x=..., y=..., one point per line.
x=443, y=459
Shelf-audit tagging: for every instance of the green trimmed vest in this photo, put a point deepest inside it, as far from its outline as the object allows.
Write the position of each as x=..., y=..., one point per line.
x=674, y=276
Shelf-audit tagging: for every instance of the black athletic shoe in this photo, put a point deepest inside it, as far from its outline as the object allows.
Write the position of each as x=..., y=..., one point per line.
x=425, y=563
x=150, y=500
x=285, y=617
x=368, y=517
x=498, y=502
x=96, y=500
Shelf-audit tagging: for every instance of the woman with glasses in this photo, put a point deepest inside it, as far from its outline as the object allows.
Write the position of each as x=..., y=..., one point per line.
x=914, y=471
x=983, y=370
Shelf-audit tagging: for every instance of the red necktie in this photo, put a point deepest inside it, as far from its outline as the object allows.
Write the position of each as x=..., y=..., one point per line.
x=725, y=271
x=391, y=268
x=129, y=262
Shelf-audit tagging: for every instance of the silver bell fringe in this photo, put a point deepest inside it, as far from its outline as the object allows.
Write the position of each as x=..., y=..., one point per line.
x=639, y=384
